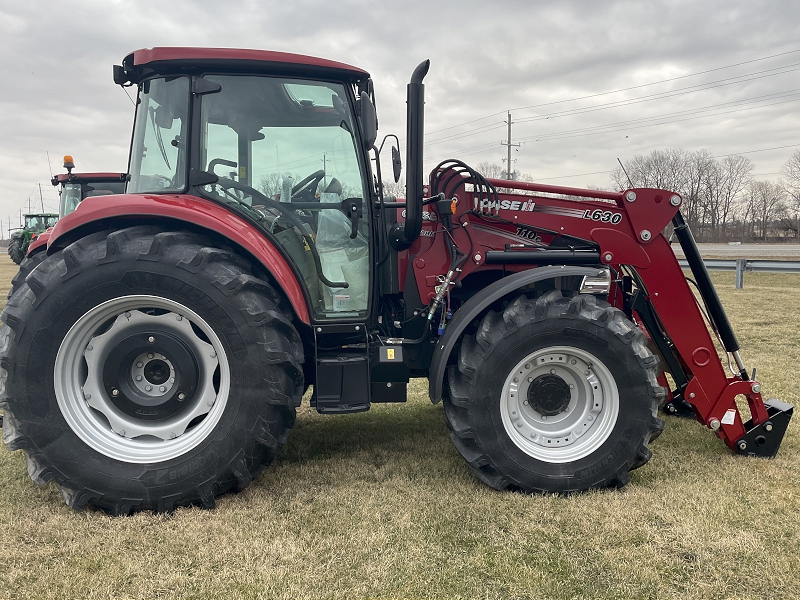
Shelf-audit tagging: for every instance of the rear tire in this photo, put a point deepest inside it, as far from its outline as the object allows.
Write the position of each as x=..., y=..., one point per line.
x=15, y=250
x=554, y=395
x=146, y=371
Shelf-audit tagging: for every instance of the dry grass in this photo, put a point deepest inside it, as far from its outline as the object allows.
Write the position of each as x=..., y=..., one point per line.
x=380, y=505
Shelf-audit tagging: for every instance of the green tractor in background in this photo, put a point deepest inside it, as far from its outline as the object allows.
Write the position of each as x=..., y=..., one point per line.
x=21, y=238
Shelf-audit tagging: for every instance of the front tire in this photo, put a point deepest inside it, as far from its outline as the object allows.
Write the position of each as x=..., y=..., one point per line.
x=146, y=371
x=554, y=395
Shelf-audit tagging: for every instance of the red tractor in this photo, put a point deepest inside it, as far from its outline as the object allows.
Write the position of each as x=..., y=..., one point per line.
x=157, y=356
x=73, y=187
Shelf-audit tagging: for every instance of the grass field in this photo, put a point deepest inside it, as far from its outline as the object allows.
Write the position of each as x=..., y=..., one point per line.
x=380, y=505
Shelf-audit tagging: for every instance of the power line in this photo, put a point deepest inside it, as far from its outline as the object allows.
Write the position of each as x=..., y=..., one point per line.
x=621, y=89
x=658, y=96
x=626, y=125
x=761, y=150
x=631, y=101
x=632, y=124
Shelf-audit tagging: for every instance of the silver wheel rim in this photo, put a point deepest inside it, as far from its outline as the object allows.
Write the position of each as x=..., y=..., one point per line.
x=95, y=416
x=581, y=426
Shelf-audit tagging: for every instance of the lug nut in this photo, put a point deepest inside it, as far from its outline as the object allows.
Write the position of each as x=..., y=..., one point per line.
x=151, y=339
x=115, y=392
x=138, y=378
x=162, y=389
x=150, y=354
x=181, y=396
x=148, y=388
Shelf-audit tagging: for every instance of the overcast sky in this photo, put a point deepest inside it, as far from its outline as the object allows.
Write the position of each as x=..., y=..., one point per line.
x=729, y=74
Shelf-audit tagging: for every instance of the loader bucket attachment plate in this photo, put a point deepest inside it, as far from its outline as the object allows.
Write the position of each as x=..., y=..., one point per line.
x=765, y=439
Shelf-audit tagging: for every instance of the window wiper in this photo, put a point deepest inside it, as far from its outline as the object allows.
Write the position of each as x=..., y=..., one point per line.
x=159, y=140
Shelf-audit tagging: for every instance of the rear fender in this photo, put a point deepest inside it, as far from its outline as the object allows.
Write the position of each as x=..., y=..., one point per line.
x=473, y=307
x=96, y=213
x=39, y=243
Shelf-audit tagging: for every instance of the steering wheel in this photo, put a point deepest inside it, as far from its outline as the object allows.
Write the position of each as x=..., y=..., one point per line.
x=308, y=186
x=226, y=183
x=295, y=220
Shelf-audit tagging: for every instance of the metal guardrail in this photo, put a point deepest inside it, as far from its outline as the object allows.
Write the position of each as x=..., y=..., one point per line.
x=740, y=265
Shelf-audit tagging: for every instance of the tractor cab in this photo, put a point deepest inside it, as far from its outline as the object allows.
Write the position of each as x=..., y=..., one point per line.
x=74, y=187
x=284, y=152
x=39, y=222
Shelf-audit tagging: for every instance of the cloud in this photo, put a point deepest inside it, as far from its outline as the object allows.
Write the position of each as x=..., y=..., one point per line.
x=486, y=58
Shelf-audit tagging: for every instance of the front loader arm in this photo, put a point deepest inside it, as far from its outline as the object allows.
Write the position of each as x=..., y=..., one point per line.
x=626, y=229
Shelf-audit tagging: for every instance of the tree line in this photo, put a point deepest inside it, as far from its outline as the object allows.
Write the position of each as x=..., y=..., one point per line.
x=722, y=201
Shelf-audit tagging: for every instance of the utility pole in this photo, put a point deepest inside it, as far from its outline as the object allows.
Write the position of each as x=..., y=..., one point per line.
x=509, y=171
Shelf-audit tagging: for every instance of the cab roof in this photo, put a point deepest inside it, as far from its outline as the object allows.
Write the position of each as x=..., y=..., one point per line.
x=147, y=62
x=88, y=177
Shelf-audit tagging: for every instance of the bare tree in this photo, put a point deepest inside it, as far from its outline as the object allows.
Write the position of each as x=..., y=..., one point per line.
x=791, y=182
x=767, y=203
x=677, y=170
x=699, y=167
x=664, y=169
x=726, y=180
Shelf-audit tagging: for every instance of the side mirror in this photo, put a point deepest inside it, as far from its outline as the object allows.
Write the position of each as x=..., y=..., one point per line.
x=369, y=120
x=397, y=163
x=164, y=118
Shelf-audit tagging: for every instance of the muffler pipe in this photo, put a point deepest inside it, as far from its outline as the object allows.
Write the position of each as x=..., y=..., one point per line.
x=403, y=235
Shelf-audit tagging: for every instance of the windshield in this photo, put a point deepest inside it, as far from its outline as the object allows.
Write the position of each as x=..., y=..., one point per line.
x=274, y=142
x=157, y=160
x=73, y=192
x=37, y=223
x=70, y=197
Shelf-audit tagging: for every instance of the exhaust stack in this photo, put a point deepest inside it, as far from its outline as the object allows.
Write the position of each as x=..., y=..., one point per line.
x=402, y=235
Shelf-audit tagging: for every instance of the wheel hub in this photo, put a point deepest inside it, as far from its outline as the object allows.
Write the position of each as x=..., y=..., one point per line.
x=141, y=378
x=153, y=374
x=549, y=395
x=559, y=404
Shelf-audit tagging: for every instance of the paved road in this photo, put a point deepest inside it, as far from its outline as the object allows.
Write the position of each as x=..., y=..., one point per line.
x=755, y=251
